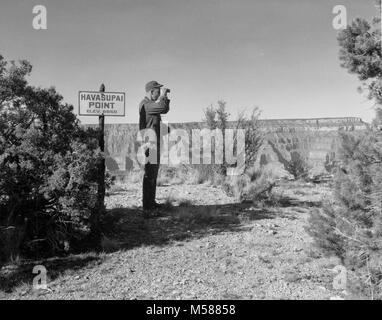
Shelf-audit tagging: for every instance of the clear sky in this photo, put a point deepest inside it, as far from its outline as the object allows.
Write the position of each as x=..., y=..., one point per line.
x=280, y=55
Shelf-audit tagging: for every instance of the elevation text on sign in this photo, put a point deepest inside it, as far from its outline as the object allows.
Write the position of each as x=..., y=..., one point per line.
x=93, y=103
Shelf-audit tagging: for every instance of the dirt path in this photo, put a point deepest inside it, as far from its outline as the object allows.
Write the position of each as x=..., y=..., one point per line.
x=209, y=247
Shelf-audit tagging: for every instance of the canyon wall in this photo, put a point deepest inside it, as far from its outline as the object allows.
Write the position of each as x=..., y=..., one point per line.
x=314, y=138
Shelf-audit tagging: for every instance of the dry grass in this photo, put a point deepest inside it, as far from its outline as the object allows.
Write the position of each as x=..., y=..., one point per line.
x=169, y=175
x=205, y=173
x=250, y=186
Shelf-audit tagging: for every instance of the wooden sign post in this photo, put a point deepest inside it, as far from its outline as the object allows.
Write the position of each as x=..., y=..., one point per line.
x=101, y=104
x=101, y=174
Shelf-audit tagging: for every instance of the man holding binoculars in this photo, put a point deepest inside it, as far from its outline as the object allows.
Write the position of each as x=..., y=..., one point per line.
x=151, y=107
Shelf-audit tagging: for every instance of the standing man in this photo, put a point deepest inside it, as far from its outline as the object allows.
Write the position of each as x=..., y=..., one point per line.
x=151, y=107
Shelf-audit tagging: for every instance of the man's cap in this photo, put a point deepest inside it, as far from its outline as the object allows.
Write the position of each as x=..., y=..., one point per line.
x=152, y=85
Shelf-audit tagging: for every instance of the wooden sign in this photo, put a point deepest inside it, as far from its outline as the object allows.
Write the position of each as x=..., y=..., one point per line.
x=95, y=103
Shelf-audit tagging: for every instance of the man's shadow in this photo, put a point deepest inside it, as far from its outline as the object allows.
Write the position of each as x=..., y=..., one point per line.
x=128, y=228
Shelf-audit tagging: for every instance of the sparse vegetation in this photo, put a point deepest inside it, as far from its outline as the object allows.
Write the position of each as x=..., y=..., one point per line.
x=172, y=175
x=48, y=169
x=252, y=186
x=298, y=166
x=351, y=226
x=217, y=118
x=251, y=183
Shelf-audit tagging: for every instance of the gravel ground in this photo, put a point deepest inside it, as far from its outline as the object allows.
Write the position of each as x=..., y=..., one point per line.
x=205, y=246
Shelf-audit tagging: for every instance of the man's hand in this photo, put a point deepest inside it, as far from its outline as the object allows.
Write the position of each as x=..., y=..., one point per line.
x=165, y=91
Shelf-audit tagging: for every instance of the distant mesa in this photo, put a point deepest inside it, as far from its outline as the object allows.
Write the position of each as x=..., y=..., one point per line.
x=347, y=123
x=317, y=137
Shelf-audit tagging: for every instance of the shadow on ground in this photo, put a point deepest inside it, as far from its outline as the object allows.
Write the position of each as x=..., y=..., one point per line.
x=15, y=275
x=287, y=201
x=126, y=228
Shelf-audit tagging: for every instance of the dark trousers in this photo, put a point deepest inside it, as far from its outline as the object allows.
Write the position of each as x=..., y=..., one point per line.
x=149, y=184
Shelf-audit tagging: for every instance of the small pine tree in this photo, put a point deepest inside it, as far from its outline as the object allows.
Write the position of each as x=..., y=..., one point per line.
x=351, y=226
x=254, y=136
x=218, y=118
x=48, y=168
x=298, y=166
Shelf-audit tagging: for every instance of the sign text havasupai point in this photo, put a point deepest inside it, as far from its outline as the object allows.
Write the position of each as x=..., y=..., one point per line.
x=95, y=103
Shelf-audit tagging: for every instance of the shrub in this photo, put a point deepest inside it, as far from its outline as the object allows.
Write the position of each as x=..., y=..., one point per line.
x=298, y=166
x=351, y=227
x=254, y=137
x=48, y=168
x=217, y=118
x=252, y=186
x=172, y=175
x=330, y=162
x=205, y=173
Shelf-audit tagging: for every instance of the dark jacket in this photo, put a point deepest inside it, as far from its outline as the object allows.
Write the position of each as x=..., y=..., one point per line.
x=150, y=111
